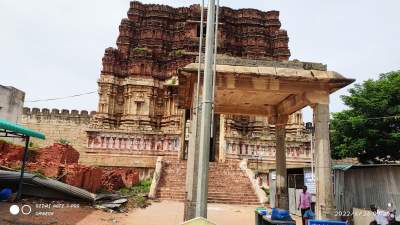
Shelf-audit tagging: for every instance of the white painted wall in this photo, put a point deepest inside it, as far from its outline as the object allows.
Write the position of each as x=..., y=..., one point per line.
x=11, y=103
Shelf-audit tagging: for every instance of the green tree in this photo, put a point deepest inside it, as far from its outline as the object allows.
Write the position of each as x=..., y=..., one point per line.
x=370, y=128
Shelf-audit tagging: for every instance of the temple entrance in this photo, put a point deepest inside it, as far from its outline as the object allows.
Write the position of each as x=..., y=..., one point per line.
x=214, y=140
x=274, y=90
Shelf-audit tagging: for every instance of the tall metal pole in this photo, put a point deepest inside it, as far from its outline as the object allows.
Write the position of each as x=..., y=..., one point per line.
x=192, y=168
x=199, y=67
x=24, y=159
x=205, y=128
x=215, y=66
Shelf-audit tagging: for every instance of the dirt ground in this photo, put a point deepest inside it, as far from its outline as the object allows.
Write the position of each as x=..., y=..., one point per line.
x=159, y=213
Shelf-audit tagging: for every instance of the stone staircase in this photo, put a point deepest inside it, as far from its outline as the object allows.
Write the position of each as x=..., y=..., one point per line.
x=227, y=183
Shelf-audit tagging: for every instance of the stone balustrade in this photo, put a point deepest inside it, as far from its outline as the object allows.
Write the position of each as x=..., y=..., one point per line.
x=138, y=142
x=266, y=150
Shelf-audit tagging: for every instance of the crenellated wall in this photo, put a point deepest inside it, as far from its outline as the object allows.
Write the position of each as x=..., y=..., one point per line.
x=58, y=124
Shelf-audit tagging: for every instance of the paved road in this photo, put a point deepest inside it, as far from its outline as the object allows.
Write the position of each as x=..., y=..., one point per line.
x=158, y=213
x=171, y=213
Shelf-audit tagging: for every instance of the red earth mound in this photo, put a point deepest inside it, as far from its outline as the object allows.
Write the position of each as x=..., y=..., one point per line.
x=60, y=161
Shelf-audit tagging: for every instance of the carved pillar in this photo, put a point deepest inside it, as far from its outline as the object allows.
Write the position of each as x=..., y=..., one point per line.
x=222, y=142
x=181, y=149
x=325, y=207
x=281, y=198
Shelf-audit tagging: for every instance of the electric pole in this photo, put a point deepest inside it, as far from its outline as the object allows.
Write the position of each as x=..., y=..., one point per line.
x=206, y=114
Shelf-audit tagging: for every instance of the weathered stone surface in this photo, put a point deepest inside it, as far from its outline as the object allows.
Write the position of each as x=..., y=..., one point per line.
x=227, y=183
x=48, y=169
x=60, y=161
x=116, y=178
x=11, y=101
x=10, y=152
x=154, y=41
x=85, y=177
x=138, y=112
x=58, y=153
x=55, y=125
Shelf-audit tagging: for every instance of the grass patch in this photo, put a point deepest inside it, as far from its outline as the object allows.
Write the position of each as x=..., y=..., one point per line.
x=64, y=141
x=138, y=49
x=137, y=195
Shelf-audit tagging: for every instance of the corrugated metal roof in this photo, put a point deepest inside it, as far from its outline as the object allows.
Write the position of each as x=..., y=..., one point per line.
x=37, y=186
x=343, y=167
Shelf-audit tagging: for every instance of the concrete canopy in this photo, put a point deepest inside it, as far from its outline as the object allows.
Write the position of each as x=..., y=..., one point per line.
x=258, y=87
x=274, y=89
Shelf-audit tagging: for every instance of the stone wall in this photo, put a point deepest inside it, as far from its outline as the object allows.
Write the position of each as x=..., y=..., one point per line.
x=58, y=124
x=11, y=103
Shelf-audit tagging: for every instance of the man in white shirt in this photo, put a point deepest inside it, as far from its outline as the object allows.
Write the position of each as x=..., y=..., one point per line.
x=380, y=216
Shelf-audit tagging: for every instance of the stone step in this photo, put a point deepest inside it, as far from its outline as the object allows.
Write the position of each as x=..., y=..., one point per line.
x=213, y=193
x=210, y=187
x=227, y=183
x=212, y=190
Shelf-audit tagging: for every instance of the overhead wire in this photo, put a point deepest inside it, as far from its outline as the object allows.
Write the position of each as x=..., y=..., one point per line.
x=60, y=98
x=92, y=92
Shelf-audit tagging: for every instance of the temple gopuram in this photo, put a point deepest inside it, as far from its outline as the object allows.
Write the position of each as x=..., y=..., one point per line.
x=138, y=117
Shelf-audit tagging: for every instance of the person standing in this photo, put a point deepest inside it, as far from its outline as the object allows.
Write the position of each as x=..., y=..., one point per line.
x=304, y=202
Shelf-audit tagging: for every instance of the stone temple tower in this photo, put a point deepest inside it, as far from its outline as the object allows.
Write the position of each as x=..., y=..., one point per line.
x=138, y=117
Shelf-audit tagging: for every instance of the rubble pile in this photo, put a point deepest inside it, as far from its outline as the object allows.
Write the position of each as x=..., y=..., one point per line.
x=116, y=178
x=48, y=169
x=10, y=152
x=58, y=153
x=86, y=177
x=60, y=161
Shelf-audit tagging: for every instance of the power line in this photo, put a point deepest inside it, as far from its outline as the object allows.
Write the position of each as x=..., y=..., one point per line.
x=65, y=97
x=92, y=92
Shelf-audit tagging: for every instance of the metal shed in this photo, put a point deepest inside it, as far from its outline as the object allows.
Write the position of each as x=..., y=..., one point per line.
x=12, y=130
x=359, y=186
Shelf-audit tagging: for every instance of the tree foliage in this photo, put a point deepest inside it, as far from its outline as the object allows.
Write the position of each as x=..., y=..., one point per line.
x=370, y=128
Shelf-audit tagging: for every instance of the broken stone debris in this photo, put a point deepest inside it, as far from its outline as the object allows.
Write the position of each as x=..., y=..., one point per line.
x=60, y=161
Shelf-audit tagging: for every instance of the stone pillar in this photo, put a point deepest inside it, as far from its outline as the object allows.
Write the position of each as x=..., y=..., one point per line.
x=281, y=198
x=325, y=208
x=181, y=149
x=222, y=143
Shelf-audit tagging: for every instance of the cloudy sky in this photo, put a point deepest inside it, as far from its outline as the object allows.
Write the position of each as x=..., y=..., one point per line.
x=53, y=48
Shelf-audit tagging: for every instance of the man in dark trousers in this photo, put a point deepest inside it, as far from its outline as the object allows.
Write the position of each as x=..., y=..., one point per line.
x=304, y=202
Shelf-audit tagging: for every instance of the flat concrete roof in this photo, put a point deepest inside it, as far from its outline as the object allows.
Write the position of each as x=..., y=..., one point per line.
x=262, y=87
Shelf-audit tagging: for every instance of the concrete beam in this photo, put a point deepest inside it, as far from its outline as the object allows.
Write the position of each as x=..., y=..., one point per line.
x=270, y=84
x=315, y=97
x=291, y=104
x=267, y=110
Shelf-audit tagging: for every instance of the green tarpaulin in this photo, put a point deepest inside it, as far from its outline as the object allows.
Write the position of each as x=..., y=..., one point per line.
x=18, y=129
